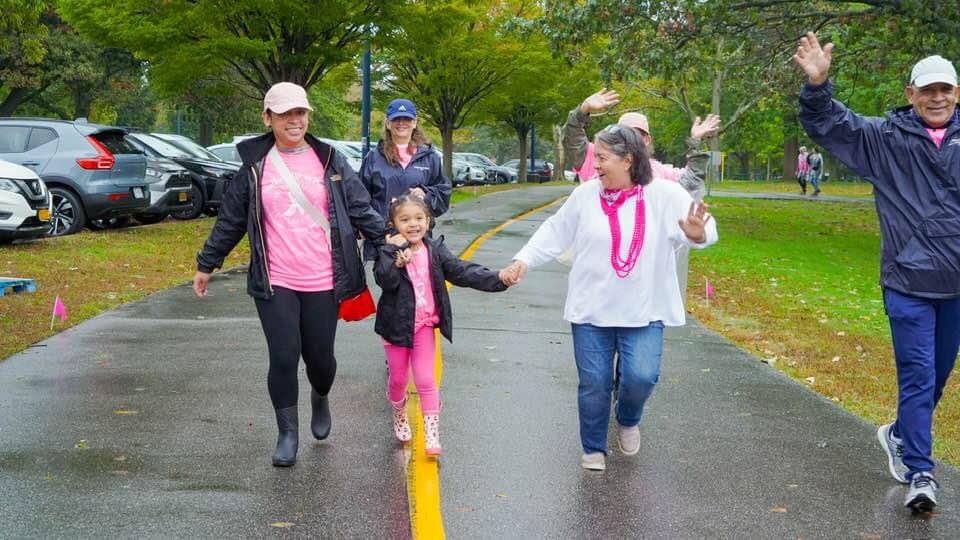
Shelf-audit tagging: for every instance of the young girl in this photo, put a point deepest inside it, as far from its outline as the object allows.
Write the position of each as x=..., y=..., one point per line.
x=411, y=269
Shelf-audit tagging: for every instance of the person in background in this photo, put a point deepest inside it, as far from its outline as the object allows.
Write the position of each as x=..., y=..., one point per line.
x=802, y=169
x=815, y=170
x=403, y=160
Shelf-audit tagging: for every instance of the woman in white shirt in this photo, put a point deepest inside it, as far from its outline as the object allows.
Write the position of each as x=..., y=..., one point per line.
x=623, y=286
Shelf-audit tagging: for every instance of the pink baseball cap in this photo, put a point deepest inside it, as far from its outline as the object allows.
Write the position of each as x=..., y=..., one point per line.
x=635, y=120
x=284, y=96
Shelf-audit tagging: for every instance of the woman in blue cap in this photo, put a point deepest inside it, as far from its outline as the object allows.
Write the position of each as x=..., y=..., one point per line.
x=403, y=160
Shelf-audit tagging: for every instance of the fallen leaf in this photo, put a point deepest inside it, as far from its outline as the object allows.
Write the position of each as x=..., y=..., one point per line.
x=494, y=359
x=125, y=412
x=103, y=363
x=705, y=370
x=120, y=458
x=836, y=359
x=810, y=380
x=841, y=334
x=281, y=524
x=81, y=445
x=779, y=509
x=490, y=347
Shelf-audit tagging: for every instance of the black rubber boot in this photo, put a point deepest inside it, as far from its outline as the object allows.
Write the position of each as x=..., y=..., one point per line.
x=320, y=423
x=288, y=438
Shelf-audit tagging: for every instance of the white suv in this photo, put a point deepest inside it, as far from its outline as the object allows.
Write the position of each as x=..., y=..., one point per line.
x=24, y=203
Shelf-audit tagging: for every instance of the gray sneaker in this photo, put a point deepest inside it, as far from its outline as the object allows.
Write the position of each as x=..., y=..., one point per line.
x=922, y=496
x=894, y=449
x=629, y=439
x=594, y=461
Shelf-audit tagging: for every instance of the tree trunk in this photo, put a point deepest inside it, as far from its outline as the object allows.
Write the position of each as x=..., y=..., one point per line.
x=522, y=167
x=446, y=135
x=768, y=169
x=82, y=101
x=205, y=135
x=790, y=146
x=560, y=162
x=16, y=97
x=744, y=159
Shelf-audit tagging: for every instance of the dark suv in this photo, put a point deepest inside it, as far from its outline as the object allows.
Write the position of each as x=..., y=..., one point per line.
x=211, y=175
x=91, y=171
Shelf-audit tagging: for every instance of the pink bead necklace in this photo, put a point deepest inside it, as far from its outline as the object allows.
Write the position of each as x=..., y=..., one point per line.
x=611, y=201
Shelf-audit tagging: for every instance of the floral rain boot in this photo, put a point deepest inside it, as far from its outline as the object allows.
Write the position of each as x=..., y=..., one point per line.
x=431, y=432
x=401, y=424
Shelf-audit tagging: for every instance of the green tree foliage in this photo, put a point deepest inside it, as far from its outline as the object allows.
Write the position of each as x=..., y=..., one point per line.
x=23, y=46
x=447, y=56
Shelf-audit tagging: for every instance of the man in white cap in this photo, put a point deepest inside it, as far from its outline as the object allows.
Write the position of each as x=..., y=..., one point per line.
x=912, y=158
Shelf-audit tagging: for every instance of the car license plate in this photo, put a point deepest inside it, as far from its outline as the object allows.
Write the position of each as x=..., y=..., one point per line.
x=138, y=193
x=183, y=196
x=43, y=214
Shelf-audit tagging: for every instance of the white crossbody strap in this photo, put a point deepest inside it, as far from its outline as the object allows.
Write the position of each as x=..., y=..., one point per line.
x=315, y=214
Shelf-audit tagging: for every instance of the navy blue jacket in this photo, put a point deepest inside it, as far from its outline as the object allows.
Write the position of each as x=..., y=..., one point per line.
x=241, y=213
x=386, y=181
x=396, y=309
x=916, y=188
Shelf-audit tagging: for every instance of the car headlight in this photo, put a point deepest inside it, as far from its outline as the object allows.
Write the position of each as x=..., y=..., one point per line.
x=9, y=185
x=153, y=174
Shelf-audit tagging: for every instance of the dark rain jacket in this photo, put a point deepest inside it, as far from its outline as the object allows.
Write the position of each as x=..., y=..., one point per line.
x=916, y=188
x=241, y=213
x=397, y=306
x=386, y=181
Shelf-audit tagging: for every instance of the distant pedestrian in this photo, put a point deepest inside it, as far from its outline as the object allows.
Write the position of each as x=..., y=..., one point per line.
x=403, y=160
x=803, y=168
x=815, y=170
x=623, y=287
x=300, y=205
x=412, y=269
x=912, y=158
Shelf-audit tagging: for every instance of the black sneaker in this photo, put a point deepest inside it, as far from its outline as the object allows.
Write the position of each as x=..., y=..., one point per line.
x=922, y=496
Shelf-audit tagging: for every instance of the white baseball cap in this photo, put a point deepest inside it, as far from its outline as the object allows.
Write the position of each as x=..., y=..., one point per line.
x=933, y=69
x=284, y=96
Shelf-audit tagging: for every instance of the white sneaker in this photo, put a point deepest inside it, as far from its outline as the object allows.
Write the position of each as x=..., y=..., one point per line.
x=922, y=496
x=894, y=450
x=629, y=439
x=594, y=461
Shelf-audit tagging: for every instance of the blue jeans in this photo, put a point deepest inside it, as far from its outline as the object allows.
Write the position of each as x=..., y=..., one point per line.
x=814, y=179
x=926, y=336
x=639, y=350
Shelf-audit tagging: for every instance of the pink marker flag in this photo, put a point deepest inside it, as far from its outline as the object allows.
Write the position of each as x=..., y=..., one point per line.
x=708, y=289
x=59, y=310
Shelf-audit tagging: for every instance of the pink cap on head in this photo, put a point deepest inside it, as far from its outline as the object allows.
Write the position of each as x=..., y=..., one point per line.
x=635, y=120
x=284, y=96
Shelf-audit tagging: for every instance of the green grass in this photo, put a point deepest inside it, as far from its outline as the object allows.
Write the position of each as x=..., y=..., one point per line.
x=796, y=282
x=844, y=189
x=466, y=193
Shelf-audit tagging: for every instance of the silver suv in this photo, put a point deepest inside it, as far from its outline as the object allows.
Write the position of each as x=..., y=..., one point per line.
x=91, y=171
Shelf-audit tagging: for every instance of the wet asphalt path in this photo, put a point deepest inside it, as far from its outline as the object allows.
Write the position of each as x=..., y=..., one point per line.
x=153, y=421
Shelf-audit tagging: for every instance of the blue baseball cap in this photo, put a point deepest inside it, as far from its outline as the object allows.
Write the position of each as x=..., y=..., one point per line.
x=401, y=108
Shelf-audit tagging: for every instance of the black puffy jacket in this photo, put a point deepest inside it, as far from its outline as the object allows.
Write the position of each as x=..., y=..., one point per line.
x=397, y=306
x=241, y=213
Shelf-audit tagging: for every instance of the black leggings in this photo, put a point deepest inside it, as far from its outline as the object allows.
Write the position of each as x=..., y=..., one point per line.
x=296, y=323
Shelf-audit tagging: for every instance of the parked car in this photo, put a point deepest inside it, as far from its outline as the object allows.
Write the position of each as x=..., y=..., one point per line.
x=24, y=204
x=91, y=171
x=171, y=189
x=209, y=174
x=495, y=174
x=227, y=152
x=541, y=171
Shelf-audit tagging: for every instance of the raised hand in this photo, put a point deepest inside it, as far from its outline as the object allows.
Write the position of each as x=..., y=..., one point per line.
x=694, y=225
x=814, y=59
x=706, y=128
x=599, y=102
x=402, y=257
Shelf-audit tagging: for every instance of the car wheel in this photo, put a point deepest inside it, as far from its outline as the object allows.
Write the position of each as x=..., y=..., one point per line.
x=109, y=223
x=194, y=210
x=150, y=219
x=66, y=213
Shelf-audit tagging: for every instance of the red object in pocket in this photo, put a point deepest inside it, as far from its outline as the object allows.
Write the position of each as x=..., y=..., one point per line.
x=359, y=307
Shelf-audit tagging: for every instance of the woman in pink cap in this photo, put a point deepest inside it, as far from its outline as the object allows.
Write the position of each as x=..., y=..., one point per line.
x=301, y=206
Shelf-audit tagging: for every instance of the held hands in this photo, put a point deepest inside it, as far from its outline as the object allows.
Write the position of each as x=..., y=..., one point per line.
x=600, y=101
x=512, y=274
x=694, y=225
x=813, y=59
x=706, y=128
x=200, y=282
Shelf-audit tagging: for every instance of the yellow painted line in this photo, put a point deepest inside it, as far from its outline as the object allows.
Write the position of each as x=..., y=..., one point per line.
x=423, y=472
